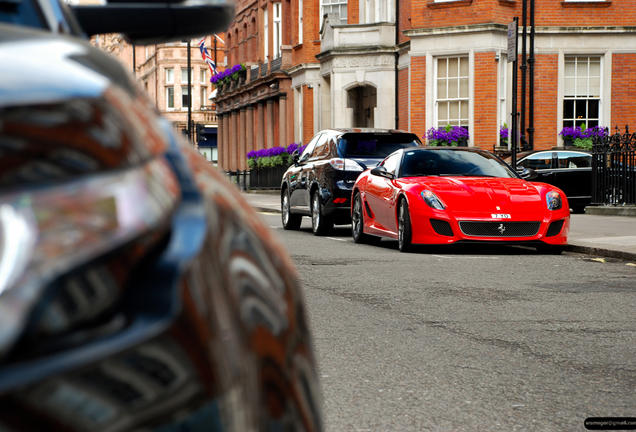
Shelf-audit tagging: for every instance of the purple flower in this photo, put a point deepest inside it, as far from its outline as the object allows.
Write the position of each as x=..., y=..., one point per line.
x=448, y=135
x=503, y=132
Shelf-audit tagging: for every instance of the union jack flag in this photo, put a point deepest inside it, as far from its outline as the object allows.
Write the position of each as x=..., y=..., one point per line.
x=207, y=58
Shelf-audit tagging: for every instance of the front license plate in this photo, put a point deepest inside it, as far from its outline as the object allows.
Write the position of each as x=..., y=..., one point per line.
x=500, y=216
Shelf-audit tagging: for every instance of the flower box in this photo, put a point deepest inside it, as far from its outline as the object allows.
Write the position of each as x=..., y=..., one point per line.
x=453, y=136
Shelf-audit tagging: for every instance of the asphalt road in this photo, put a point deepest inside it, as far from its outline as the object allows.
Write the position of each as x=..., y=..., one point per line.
x=465, y=338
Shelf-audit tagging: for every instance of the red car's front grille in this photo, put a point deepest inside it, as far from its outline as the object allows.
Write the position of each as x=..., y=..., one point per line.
x=499, y=229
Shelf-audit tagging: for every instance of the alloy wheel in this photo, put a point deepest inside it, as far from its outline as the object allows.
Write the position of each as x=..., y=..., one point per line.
x=356, y=218
x=315, y=212
x=286, y=214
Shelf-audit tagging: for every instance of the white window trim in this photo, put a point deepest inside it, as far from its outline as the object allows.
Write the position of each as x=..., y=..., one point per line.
x=266, y=36
x=186, y=77
x=173, y=97
x=431, y=89
x=435, y=77
x=300, y=21
x=605, y=104
x=277, y=32
x=185, y=107
x=171, y=81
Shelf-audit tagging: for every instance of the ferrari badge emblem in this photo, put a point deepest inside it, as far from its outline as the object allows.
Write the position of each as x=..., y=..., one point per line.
x=501, y=228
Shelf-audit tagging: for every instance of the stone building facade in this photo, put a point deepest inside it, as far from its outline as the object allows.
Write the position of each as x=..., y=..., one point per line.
x=418, y=64
x=161, y=71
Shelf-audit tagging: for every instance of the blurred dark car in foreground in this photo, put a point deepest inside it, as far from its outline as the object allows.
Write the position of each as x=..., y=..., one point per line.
x=320, y=182
x=569, y=170
x=138, y=291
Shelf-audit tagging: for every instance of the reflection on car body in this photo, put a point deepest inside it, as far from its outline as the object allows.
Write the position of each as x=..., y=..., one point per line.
x=138, y=290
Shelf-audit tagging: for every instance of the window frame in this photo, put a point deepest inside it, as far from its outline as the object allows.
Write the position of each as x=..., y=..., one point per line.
x=168, y=107
x=186, y=77
x=185, y=106
x=277, y=30
x=460, y=121
x=266, y=35
x=336, y=3
x=575, y=120
x=169, y=75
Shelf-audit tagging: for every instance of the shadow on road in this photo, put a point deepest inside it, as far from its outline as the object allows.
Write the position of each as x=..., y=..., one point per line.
x=462, y=248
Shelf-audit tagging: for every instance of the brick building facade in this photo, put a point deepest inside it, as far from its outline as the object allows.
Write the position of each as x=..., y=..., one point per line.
x=417, y=64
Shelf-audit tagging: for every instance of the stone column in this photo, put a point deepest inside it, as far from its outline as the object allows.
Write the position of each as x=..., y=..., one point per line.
x=282, y=121
x=219, y=139
x=234, y=142
x=260, y=127
x=270, y=123
x=249, y=143
x=242, y=141
x=226, y=141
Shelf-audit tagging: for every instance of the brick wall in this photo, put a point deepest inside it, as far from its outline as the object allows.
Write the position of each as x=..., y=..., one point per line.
x=403, y=99
x=427, y=13
x=308, y=114
x=623, y=91
x=418, y=96
x=484, y=134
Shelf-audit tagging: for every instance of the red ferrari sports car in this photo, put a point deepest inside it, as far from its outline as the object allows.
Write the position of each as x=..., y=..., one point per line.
x=442, y=195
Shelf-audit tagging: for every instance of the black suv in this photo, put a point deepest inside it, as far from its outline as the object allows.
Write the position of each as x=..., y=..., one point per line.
x=320, y=182
x=138, y=291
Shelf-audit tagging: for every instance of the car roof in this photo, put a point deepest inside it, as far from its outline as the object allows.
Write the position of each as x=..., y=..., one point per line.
x=364, y=130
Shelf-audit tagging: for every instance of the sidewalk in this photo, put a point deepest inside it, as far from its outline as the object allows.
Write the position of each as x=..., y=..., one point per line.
x=601, y=231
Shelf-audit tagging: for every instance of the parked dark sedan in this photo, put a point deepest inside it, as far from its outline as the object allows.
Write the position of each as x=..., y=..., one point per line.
x=569, y=170
x=138, y=291
x=320, y=182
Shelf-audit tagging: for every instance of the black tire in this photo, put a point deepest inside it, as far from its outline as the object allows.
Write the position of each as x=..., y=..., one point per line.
x=320, y=224
x=547, y=249
x=357, y=224
x=404, y=227
x=290, y=221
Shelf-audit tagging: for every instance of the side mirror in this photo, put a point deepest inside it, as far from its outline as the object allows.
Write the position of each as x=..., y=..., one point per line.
x=295, y=156
x=527, y=173
x=382, y=172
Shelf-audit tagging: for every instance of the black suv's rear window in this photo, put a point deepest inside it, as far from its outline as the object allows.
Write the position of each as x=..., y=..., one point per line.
x=375, y=145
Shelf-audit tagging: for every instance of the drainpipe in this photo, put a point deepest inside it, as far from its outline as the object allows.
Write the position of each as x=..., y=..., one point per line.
x=397, y=60
x=531, y=61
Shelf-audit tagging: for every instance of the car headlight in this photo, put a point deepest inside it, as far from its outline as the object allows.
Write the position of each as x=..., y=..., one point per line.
x=48, y=231
x=432, y=200
x=553, y=200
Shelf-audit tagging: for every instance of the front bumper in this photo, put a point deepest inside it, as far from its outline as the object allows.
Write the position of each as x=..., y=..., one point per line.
x=441, y=227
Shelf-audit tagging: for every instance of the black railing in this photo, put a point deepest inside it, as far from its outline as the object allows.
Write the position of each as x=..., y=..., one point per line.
x=239, y=178
x=267, y=178
x=254, y=73
x=264, y=69
x=614, y=169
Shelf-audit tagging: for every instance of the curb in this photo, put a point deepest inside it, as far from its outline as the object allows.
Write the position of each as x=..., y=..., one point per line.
x=612, y=211
x=608, y=253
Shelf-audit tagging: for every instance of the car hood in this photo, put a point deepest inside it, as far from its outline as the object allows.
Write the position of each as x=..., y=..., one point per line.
x=481, y=194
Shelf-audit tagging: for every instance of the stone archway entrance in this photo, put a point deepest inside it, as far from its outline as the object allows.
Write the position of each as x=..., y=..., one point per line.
x=363, y=101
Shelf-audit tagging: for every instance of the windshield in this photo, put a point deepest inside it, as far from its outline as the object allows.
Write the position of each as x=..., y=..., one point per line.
x=453, y=163
x=375, y=145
